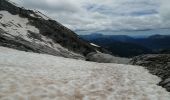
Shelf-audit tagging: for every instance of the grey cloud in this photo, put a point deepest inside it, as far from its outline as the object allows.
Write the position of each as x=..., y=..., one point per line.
x=104, y=15
x=165, y=12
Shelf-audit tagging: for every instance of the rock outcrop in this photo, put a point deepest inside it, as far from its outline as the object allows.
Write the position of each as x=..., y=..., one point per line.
x=106, y=58
x=158, y=64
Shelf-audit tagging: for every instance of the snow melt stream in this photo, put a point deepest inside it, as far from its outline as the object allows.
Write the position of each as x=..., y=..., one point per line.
x=31, y=76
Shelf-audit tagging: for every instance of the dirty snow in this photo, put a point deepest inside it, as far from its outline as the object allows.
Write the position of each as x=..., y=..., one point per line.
x=30, y=76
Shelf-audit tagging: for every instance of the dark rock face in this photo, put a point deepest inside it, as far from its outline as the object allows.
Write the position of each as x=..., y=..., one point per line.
x=166, y=84
x=48, y=28
x=158, y=64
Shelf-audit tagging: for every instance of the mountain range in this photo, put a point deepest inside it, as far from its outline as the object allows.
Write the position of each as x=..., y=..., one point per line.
x=129, y=46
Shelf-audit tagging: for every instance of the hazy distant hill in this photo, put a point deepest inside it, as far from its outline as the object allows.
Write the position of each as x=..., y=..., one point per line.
x=156, y=42
x=109, y=38
x=126, y=46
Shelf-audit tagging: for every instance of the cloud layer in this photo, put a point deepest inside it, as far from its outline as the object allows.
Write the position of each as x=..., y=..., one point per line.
x=165, y=12
x=87, y=16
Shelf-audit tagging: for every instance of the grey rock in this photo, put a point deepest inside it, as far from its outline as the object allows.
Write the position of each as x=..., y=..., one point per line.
x=164, y=82
x=157, y=64
x=106, y=58
x=167, y=86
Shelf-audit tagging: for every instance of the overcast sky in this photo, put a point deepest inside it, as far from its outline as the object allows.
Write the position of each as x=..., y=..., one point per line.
x=89, y=16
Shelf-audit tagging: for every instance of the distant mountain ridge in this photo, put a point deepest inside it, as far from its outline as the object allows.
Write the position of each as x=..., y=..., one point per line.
x=156, y=43
x=120, y=38
x=127, y=46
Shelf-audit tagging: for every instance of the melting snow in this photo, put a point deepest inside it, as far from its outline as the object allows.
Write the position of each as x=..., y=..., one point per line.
x=30, y=76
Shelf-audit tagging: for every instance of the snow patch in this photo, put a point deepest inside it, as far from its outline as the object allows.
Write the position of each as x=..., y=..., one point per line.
x=16, y=26
x=32, y=15
x=32, y=76
x=94, y=45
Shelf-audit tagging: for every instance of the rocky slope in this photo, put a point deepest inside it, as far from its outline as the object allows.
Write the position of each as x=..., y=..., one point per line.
x=30, y=30
x=158, y=64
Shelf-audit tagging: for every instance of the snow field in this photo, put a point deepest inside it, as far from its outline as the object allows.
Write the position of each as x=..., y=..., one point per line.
x=31, y=76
